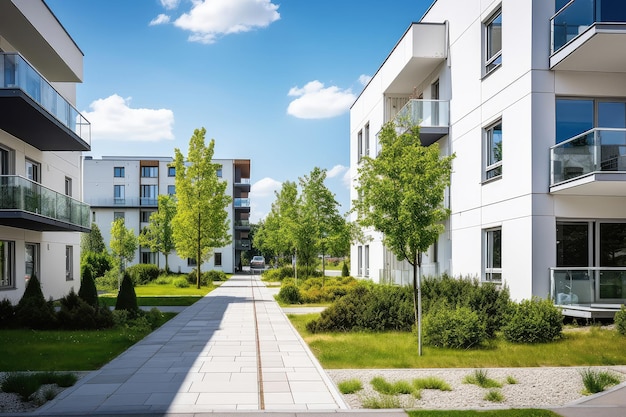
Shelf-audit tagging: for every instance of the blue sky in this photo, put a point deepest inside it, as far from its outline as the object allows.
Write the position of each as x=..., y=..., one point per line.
x=271, y=80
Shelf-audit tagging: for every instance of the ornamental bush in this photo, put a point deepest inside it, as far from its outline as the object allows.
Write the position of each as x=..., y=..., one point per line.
x=143, y=273
x=289, y=294
x=215, y=275
x=76, y=314
x=534, y=321
x=457, y=328
x=88, y=291
x=620, y=321
x=100, y=262
x=127, y=298
x=33, y=311
x=344, y=270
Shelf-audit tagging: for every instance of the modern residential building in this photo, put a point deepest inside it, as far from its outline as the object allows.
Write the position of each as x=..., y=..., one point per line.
x=531, y=97
x=42, y=137
x=129, y=186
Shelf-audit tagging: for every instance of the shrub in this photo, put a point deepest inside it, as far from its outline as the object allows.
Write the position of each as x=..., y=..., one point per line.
x=384, y=401
x=534, y=321
x=479, y=377
x=108, y=282
x=344, y=270
x=205, y=278
x=214, y=275
x=100, y=263
x=88, y=291
x=164, y=281
x=143, y=273
x=33, y=311
x=350, y=386
x=597, y=381
x=127, y=298
x=76, y=314
x=7, y=313
x=289, y=294
x=181, y=282
x=26, y=385
x=620, y=321
x=458, y=328
x=278, y=274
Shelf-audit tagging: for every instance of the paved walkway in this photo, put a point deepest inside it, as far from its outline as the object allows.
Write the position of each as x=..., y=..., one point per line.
x=233, y=350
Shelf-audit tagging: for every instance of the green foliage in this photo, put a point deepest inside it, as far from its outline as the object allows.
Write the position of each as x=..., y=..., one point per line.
x=511, y=380
x=33, y=311
x=289, y=294
x=159, y=235
x=26, y=385
x=597, y=380
x=494, y=395
x=278, y=274
x=123, y=241
x=108, y=282
x=344, y=270
x=127, y=298
x=534, y=321
x=88, y=291
x=76, y=314
x=620, y=321
x=431, y=383
x=382, y=402
x=480, y=377
x=368, y=307
x=276, y=233
x=458, y=328
x=214, y=275
x=206, y=278
x=350, y=386
x=7, y=314
x=181, y=282
x=100, y=262
x=385, y=387
x=318, y=290
x=143, y=273
x=92, y=242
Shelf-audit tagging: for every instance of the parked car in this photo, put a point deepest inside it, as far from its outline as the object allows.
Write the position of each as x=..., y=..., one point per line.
x=257, y=262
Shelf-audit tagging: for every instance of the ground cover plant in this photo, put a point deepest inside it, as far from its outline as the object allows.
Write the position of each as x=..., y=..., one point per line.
x=479, y=377
x=350, y=386
x=597, y=380
x=431, y=383
x=494, y=396
x=26, y=384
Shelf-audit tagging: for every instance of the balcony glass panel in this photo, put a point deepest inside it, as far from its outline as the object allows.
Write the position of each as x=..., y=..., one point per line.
x=576, y=17
x=425, y=113
x=593, y=151
x=241, y=202
x=585, y=286
x=19, y=193
x=16, y=72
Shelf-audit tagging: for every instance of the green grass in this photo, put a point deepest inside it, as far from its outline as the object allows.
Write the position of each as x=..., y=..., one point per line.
x=154, y=289
x=61, y=350
x=431, y=382
x=511, y=380
x=27, y=384
x=479, y=377
x=597, y=381
x=527, y=412
x=155, y=301
x=384, y=401
x=494, y=396
x=350, y=386
x=589, y=347
x=382, y=386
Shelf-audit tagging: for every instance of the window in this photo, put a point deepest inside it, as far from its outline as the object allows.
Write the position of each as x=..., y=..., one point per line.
x=144, y=215
x=219, y=171
x=118, y=215
x=93, y=216
x=33, y=170
x=6, y=161
x=68, y=186
x=493, y=255
x=366, y=138
x=493, y=151
x=493, y=42
x=171, y=189
x=573, y=117
x=69, y=263
x=367, y=260
x=360, y=261
x=171, y=171
x=148, y=258
x=149, y=195
x=360, y=145
x=191, y=262
x=118, y=172
x=149, y=172
x=7, y=262
x=217, y=259
x=118, y=194
x=31, y=260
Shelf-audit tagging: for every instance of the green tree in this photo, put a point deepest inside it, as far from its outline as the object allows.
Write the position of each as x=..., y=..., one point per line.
x=123, y=242
x=201, y=220
x=158, y=235
x=93, y=241
x=401, y=195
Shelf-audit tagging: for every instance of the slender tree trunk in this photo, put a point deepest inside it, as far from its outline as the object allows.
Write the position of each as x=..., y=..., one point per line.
x=198, y=242
x=417, y=301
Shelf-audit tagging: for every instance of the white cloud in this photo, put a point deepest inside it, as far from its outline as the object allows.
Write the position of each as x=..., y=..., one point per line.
x=170, y=4
x=265, y=187
x=261, y=198
x=347, y=179
x=316, y=102
x=364, y=79
x=336, y=171
x=159, y=20
x=209, y=19
x=112, y=118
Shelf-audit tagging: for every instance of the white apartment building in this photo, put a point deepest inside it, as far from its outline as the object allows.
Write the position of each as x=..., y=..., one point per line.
x=129, y=186
x=531, y=97
x=42, y=137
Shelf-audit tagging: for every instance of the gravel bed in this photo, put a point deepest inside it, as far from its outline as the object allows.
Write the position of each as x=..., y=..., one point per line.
x=535, y=387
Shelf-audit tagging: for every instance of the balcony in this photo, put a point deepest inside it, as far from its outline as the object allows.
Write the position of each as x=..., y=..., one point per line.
x=243, y=184
x=589, y=35
x=241, y=204
x=242, y=224
x=34, y=112
x=587, y=292
x=593, y=163
x=432, y=116
x=25, y=204
x=242, y=244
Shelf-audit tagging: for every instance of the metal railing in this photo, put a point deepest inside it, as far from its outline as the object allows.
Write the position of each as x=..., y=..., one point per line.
x=425, y=113
x=588, y=285
x=241, y=202
x=16, y=72
x=19, y=193
x=592, y=151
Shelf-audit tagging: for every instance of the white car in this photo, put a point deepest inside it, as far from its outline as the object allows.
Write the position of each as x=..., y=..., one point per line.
x=257, y=262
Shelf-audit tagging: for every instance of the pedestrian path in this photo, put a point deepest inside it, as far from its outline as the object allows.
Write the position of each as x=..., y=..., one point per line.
x=233, y=350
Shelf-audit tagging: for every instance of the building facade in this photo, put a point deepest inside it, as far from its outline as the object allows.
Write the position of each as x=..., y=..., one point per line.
x=42, y=137
x=129, y=186
x=530, y=95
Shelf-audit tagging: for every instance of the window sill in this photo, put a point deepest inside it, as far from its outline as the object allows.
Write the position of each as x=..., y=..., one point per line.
x=491, y=71
x=490, y=180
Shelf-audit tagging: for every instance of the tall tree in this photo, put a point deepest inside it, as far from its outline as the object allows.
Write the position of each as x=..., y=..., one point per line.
x=401, y=195
x=201, y=221
x=93, y=241
x=158, y=235
x=123, y=242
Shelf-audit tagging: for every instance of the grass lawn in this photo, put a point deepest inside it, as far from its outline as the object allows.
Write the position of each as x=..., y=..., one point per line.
x=528, y=412
x=587, y=347
x=64, y=350
x=156, y=301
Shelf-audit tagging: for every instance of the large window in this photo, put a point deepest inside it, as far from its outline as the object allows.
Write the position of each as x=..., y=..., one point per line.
x=217, y=259
x=119, y=194
x=493, y=254
x=144, y=216
x=118, y=172
x=493, y=151
x=171, y=171
x=149, y=194
x=33, y=170
x=6, y=161
x=367, y=261
x=7, y=263
x=360, y=261
x=493, y=42
x=69, y=263
x=31, y=260
x=575, y=116
x=360, y=145
x=366, y=134
x=148, y=258
x=149, y=172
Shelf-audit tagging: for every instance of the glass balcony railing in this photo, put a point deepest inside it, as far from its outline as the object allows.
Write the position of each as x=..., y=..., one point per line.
x=19, y=193
x=241, y=202
x=16, y=72
x=579, y=15
x=593, y=151
x=242, y=223
x=242, y=244
x=425, y=113
x=586, y=286
x=243, y=181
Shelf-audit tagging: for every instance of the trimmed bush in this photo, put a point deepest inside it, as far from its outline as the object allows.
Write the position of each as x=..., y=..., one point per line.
x=534, y=321
x=100, y=263
x=88, y=291
x=7, y=314
x=33, y=311
x=76, y=314
x=278, y=274
x=143, y=273
x=214, y=275
x=205, y=278
x=458, y=328
x=127, y=298
x=344, y=270
x=289, y=294
x=620, y=321
x=181, y=282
